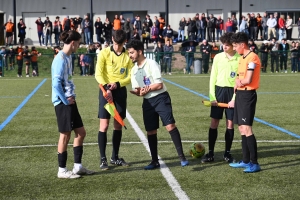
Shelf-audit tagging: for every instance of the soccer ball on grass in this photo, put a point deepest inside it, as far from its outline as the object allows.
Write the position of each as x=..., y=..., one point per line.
x=197, y=150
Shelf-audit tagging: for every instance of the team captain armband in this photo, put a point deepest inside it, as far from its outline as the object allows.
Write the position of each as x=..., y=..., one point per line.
x=251, y=66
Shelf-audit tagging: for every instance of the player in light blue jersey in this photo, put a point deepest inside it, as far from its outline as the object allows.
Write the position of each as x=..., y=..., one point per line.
x=63, y=99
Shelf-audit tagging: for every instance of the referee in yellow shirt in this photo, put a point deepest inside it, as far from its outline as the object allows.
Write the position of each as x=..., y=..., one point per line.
x=221, y=90
x=113, y=72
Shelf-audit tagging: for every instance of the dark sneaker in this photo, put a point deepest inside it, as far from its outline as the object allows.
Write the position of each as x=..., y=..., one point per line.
x=208, y=158
x=152, y=165
x=119, y=162
x=104, y=165
x=228, y=158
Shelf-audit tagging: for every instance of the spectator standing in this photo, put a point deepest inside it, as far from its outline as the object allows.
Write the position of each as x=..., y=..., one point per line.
x=283, y=49
x=27, y=59
x=189, y=56
x=277, y=24
x=66, y=24
x=2, y=60
x=9, y=29
x=122, y=20
x=148, y=21
x=288, y=26
x=22, y=32
x=205, y=50
x=274, y=55
x=48, y=33
x=40, y=26
x=294, y=57
x=117, y=23
x=182, y=24
x=191, y=23
x=11, y=57
x=154, y=34
x=244, y=26
x=159, y=54
x=271, y=23
x=127, y=29
x=219, y=27
x=161, y=25
x=98, y=27
x=87, y=26
x=281, y=27
x=108, y=31
x=34, y=61
x=264, y=53
x=57, y=28
x=259, y=27
x=20, y=52
x=264, y=26
x=234, y=23
x=298, y=47
x=168, y=51
x=211, y=27
x=138, y=25
x=253, y=27
x=145, y=34
x=203, y=27
x=229, y=26
x=136, y=35
x=168, y=34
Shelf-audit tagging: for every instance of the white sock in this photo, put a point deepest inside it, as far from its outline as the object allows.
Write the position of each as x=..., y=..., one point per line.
x=77, y=165
x=62, y=169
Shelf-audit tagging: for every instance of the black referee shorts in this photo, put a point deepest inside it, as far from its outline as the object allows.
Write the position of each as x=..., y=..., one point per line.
x=155, y=107
x=244, y=107
x=120, y=100
x=223, y=95
x=68, y=117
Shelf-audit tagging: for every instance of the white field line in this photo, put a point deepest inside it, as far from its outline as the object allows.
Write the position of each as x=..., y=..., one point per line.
x=146, y=142
x=173, y=183
x=195, y=76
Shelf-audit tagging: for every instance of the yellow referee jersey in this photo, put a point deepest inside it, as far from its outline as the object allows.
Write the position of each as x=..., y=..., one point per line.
x=112, y=68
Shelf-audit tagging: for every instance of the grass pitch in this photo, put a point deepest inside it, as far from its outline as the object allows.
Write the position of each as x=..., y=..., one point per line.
x=28, y=145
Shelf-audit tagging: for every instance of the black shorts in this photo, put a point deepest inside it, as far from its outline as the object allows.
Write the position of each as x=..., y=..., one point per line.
x=223, y=95
x=244, y=107
x=155, y=107
x=120, y=100
x=34, y=64
x=68, y=117
x=9, y=34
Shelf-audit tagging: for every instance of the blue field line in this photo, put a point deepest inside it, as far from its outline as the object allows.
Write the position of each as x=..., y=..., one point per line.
x=11, y=116
x=255, y=118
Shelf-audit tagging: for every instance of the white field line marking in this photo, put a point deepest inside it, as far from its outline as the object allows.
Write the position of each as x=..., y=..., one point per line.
x=195, y=76
x=146, y=142
x=173, y=183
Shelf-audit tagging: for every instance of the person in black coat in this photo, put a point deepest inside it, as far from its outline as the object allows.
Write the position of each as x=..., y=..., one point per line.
x=22, y=32
x=283, y=49
x=98, y=27
x=264, y=51
x=205, y=50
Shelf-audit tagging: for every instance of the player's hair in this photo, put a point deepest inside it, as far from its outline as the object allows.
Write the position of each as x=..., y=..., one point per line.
x=68, y=36
x=225, y=38
x=136, y=45
x=239, y=38
x=119, y=36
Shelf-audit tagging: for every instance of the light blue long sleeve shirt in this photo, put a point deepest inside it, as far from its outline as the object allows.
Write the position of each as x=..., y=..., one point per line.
x=62, y=83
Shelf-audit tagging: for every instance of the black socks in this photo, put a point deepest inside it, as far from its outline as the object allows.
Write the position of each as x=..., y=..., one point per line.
x=78, y=151
x=212, y=137
x=116, y=141
x=175, y=135
x=152, y=140
x=229, y=135
x=102, y=140
x=62, y=159
x=252, y=146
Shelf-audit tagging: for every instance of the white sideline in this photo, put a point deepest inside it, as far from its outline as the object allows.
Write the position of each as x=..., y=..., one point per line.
x=146, y=142
x=173, y=183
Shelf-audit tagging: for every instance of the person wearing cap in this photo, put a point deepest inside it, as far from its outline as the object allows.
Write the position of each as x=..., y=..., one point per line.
x=40, y=26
